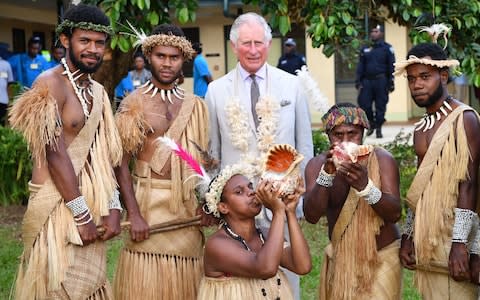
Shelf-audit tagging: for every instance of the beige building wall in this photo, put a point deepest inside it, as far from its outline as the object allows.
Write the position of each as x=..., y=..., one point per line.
x=323, y=71
x=30, y=20
x=400, y=103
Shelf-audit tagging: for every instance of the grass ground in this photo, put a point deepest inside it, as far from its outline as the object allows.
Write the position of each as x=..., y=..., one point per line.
x=11, y=247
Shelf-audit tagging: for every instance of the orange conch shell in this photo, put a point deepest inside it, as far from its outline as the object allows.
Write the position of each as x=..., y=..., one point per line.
x=282, y=167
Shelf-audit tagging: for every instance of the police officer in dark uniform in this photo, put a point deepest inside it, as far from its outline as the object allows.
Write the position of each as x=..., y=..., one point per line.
x=374, y=79
x=291, y=61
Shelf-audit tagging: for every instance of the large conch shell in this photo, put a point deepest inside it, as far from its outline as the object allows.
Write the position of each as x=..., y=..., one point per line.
x=348, y=151
x=282, y=168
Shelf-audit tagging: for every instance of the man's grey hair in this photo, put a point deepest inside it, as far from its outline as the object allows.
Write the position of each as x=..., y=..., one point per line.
x=249, y=18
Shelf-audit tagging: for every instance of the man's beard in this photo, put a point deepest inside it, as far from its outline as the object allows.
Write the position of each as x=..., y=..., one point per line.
x=161, y=81
x=81, y=66
x=432, y=99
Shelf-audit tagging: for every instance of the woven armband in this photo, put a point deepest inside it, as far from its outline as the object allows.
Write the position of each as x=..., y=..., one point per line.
x=409, y=224
x=324, y=179
x=115, y=202
x=77, y=206
x=371, y=193
x=463, y=225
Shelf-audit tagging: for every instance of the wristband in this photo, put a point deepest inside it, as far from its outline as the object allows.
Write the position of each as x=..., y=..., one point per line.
x=115, y=202
x=371, y=193
x=324, y=179
x=409, y=224
x=77, y=206
x=86, y=222
x=463, y=225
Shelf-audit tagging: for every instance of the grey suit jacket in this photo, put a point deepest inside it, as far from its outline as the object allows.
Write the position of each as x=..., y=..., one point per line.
x=294, y=126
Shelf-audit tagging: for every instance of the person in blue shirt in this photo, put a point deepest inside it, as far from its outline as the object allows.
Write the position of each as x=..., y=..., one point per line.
x=134, y=79
x=6, y=78
x=291, y=61
x=201, y=73
x=58, y=52
x=27, y=66
x=374, y=79
x=124, y=88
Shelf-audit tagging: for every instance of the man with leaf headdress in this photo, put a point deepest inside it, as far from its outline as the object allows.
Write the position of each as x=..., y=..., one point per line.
x=166, y=265
x=67, y=121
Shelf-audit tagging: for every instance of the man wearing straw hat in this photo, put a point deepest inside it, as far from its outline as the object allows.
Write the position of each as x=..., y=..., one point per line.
x=440, y=239
x=166, y=265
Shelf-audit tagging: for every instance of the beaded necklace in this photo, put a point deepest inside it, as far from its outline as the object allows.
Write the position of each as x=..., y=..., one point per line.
x=80, y=91
x=428, y=120
x=239, y=238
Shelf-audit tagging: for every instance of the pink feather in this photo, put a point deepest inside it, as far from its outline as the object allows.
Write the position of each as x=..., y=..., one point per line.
x=185, y=156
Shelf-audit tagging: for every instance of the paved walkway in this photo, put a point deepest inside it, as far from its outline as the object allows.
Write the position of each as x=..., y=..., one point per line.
x=389, y=132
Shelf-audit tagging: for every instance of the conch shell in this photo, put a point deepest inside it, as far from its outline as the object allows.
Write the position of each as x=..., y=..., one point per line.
x=282, y=168
x=348, y=151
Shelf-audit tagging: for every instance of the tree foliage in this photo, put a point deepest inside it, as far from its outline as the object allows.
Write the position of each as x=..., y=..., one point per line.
x=142, y=14
x=339, y=26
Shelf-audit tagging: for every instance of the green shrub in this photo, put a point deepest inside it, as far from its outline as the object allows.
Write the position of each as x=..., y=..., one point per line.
x=15, y=167
x=320, y=141
x=404, y=154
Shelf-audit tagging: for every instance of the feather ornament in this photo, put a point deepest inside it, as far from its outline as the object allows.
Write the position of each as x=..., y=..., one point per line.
x=435, y=31
x=139, y=34
x=314, y=95
x=187, y=158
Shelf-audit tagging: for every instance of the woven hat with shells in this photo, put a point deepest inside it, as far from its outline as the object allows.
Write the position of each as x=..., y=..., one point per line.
x=164, y=39
x=282, y=168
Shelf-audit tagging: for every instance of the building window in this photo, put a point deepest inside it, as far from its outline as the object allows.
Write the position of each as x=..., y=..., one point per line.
x=18, y=38
x=193, y=35
x=345, y=80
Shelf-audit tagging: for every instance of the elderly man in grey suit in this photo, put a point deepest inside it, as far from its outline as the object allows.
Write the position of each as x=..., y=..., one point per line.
x=256, y=105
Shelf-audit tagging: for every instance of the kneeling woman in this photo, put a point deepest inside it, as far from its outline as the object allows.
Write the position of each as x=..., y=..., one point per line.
x=240, y=261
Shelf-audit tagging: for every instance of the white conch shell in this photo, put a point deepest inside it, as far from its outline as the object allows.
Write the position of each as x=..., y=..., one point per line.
x=349, y=151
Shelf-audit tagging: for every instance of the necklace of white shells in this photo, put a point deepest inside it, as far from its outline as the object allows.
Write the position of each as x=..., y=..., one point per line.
x=428, y=120
x=165, y=94
x=82, y=92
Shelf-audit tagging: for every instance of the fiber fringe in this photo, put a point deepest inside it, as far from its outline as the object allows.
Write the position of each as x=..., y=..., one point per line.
x=157, y=276
x=442, y=195
x=24, y=116
x=131, y=123
x=244, y=288
x=355, y=259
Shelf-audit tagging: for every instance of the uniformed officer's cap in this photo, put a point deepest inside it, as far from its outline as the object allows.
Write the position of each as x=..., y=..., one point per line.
x=290, y=42
x=380, y=27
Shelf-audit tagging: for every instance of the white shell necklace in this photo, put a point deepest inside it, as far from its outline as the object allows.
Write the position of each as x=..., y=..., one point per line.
x=82, y=92
x=164, y=94
x=428, y=120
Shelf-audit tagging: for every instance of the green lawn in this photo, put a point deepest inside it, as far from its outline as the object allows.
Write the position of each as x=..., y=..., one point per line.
x=10, y=250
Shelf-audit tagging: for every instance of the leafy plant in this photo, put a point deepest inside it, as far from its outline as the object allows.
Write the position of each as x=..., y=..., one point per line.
x=15, y=167
x=404, y=154
x=320, y=141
